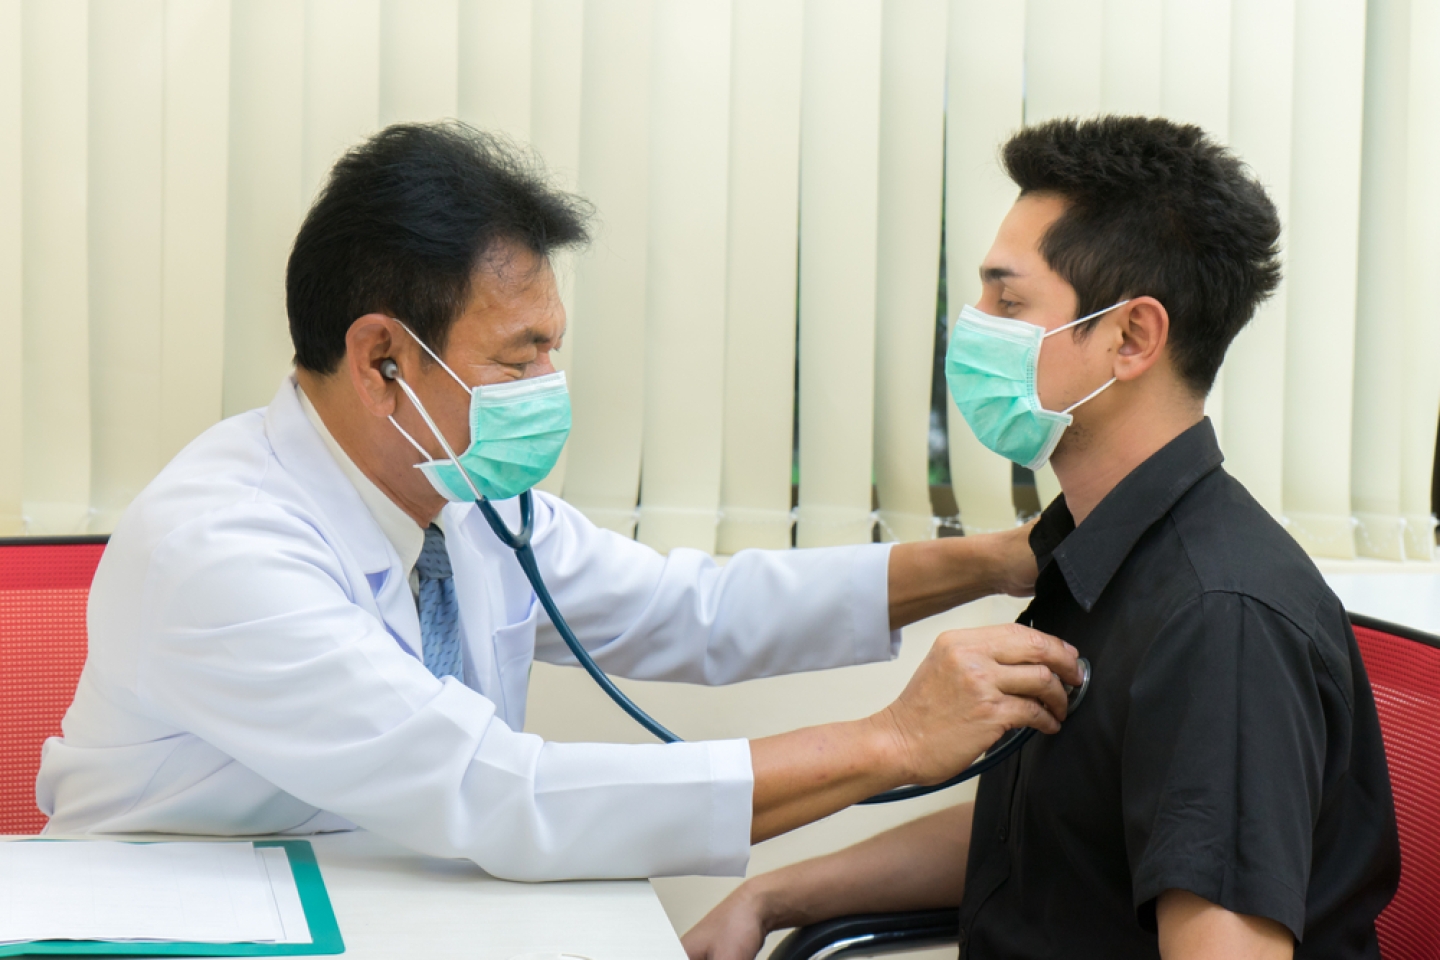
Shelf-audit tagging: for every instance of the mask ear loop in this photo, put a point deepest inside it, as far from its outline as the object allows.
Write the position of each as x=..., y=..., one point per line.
x=1066, y=326
x=444, y=444
x=433, y=356
x=390, y=370
x=1048, y=333
x=1103, y=387
x=413, y=442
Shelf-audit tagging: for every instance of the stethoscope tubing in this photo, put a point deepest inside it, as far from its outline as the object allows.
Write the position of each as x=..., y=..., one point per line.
x=519, y=542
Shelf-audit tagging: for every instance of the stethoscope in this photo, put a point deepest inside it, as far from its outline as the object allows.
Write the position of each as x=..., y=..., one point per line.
x=519, y=542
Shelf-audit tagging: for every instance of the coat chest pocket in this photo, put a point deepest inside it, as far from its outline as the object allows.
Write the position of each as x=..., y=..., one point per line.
x=514, y=652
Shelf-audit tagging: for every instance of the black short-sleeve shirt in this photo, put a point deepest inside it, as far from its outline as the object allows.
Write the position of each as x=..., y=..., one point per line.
x=1228, y=744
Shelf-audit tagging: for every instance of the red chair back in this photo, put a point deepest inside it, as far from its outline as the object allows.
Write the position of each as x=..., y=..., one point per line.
x=44, y=584
x=1404, y=669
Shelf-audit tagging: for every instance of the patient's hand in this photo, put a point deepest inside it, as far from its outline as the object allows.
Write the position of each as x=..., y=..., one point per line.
x=734, y=930
x=918, y=865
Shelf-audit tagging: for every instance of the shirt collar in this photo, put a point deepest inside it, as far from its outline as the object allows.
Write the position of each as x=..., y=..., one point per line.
x=404, y=534
x=1090, y=554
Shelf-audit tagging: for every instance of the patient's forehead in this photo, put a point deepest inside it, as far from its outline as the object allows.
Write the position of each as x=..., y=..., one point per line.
x=1016, y=250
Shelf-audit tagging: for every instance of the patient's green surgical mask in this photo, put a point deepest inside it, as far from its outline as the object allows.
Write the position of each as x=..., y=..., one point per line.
x=517, y=430
x=991, y=367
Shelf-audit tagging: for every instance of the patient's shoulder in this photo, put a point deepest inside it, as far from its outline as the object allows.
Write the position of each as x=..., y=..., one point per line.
x=1233, y=545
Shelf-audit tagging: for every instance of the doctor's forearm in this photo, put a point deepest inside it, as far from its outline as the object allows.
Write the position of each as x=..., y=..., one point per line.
x=811, y=773
x=972, y=686
x=929, y=576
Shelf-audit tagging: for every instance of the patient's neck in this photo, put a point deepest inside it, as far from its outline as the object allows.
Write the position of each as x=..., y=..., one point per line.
x=1116, y=436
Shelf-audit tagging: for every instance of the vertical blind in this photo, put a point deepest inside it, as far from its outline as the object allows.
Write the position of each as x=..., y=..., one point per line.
x=771, y=179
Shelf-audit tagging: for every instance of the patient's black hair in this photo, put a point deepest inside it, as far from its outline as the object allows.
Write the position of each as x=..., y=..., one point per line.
x=1154, y=208
x=403, y=224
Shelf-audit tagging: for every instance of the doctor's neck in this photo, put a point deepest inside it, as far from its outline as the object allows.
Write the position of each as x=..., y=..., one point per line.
x=375, y=448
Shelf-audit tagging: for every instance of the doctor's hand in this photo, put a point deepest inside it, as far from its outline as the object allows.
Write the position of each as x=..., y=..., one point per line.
x=972, y=687
x=929, y=576
x=1015, y=566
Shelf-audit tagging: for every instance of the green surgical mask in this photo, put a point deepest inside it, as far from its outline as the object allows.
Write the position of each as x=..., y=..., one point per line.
x=991, y=367
x=517, y=431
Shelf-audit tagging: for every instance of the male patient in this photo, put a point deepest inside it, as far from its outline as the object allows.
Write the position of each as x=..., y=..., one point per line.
x=1222, y=791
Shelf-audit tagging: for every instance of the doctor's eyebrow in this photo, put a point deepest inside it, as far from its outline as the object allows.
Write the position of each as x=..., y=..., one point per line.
x=997, y=274
x=533, y=337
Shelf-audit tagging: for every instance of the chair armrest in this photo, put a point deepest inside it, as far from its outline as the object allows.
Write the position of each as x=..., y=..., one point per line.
x=871, y=934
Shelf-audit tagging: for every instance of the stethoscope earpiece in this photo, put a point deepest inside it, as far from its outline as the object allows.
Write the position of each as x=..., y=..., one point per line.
x=389, y=369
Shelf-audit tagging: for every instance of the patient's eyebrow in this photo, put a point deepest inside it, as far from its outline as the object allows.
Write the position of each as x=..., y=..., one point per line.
x=997, y=274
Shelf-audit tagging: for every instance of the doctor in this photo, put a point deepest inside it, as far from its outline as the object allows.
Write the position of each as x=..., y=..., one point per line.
x=295, y=630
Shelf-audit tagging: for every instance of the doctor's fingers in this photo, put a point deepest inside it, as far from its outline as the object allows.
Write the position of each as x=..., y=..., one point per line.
x=1013, y=643
x=1016, y=712
x=1035, y=683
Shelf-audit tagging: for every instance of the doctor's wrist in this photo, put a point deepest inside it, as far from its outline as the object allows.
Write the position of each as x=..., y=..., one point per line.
x=1008, y=560
x=889, y=753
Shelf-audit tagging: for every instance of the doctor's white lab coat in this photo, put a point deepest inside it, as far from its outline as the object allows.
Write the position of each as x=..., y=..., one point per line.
x=254, y=668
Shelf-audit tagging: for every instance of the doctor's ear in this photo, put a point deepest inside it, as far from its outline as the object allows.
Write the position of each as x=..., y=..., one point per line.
x=369, y=363
x=1144, y=329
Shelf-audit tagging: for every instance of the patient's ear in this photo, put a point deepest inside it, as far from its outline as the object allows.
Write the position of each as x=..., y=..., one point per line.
x=1144, y=329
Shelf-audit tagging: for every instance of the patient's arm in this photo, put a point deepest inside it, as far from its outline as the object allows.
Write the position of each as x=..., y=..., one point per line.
x=916, y=866
x=1193, y=928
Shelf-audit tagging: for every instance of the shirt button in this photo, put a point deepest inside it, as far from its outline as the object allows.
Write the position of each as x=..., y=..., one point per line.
x=1004, y=834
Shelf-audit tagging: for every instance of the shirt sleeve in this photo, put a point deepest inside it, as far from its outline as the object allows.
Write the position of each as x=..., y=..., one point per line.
x=1223, y=759
x=684, y=617
x=273, y=663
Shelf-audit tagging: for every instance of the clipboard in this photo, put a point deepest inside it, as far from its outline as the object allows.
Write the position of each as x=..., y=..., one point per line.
x=324, y=931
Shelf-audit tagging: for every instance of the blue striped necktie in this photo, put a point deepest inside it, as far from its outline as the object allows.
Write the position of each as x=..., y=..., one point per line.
x=439, y=614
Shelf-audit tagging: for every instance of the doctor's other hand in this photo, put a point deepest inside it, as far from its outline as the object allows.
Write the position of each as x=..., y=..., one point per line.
x=971, y=688
x=1015, y=569
x=929, y=576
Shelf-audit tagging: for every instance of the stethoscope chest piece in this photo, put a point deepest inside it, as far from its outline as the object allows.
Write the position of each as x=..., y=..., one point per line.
x=1076, y=694
x=525, y=554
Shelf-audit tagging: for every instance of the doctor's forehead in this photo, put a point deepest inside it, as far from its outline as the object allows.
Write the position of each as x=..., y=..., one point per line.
x=517, y=304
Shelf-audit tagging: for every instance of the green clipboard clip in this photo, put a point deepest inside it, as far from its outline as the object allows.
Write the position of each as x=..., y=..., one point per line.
x=324, y=931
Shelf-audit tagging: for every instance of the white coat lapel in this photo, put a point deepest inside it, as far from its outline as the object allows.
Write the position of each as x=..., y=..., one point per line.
x=348, y=526
x=397, y=608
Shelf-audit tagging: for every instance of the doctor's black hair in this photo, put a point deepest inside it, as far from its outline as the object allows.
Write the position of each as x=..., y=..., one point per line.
x=1154, y=208
x=403, y=224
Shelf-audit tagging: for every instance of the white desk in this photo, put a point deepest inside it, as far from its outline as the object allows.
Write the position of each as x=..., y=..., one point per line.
x=1404, y=593
x=392, y=903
